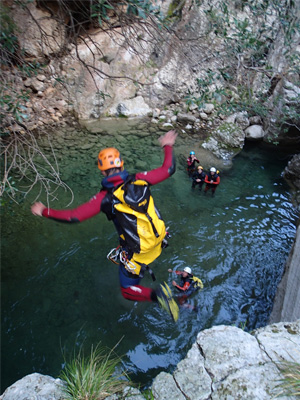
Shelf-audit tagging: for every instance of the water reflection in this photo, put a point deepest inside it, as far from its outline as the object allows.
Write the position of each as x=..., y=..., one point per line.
x=59, y=291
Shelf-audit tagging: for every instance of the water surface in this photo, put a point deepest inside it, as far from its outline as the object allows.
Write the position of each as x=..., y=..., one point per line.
x=59, y=292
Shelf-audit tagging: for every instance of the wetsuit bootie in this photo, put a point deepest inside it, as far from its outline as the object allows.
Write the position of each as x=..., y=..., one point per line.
x=166, y=301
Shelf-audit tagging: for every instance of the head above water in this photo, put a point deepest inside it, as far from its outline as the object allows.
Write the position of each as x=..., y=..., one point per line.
x=213, y=169
x=187, y=270
x=200, y=167
x=109, y=158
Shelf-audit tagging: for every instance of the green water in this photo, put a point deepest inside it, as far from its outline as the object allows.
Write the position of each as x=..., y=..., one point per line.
x=59, y=292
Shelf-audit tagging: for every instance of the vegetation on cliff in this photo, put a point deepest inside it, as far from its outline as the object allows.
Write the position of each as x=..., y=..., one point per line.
x=245, y=79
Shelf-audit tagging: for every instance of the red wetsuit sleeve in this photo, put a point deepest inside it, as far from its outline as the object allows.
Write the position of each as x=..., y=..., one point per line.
x=160, y=174
x=217, y=181
x=184, y=287
x=79, y=214
x=206, y=179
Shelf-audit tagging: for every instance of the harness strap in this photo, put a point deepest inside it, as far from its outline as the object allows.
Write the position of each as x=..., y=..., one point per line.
x=152, y=224
x=145, y=267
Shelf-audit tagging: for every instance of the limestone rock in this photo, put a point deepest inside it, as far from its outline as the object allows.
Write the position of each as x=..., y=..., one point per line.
x=208, y=108
x=186, y=118
x=229, y=363
x=225, y=141
x=32, y=38
x=35, y=386
x=254, y=132
x=198, y=383
x=292, y=172
x=286, y=304
x=164, y=387
x=131, y=108
x=240, y=118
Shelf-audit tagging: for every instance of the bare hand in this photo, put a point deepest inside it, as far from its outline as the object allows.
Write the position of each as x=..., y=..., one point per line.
x=38, y=208
x=168, y=139
x=173, y=283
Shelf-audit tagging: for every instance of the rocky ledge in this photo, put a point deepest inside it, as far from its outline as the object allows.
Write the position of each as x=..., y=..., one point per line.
x=225, y=362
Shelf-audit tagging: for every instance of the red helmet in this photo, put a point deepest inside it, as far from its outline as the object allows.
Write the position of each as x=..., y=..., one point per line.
x=109, y=158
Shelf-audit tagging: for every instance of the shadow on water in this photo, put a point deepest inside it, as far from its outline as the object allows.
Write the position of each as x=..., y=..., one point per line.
x=59, y=291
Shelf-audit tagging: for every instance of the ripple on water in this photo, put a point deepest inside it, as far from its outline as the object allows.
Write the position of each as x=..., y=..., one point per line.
x=59, y=291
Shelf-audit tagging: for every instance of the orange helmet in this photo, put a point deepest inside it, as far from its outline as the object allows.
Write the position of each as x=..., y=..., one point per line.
x=109, y=158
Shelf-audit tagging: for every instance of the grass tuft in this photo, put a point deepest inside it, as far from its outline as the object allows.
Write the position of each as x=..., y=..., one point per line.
x=290, y=383
x=93, y=377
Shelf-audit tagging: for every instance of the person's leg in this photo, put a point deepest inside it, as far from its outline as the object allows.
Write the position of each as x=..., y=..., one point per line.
x=182, y=299
x=131, y=289
x=138, y=293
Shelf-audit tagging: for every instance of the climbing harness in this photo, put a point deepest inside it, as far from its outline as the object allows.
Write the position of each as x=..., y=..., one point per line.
x=117, y=255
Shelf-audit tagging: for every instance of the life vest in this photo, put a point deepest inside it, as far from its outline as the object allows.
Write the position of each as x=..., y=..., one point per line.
x=138, y=222
x=198, y=175
x=197, y=283
x=212, y=177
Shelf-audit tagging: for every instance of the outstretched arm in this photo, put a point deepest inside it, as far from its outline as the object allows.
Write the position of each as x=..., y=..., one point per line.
x=168, y=139
x=168, y=168
x=79, y=214
x=175, y=272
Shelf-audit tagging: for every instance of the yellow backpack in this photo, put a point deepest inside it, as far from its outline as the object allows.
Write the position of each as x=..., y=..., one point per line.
x=142, y=227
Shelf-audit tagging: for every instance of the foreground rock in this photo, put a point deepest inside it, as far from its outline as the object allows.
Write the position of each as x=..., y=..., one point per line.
x=228, y=363
x=224, y=363
x=35, y=386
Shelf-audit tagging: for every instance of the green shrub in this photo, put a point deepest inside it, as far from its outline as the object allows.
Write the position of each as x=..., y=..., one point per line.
x=93, y=377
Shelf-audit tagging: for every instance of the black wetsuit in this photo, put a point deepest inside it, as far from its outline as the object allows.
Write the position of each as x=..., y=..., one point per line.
x=198, y=175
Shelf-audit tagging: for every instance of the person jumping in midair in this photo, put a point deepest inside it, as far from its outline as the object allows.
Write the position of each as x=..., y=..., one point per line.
x=131, y=264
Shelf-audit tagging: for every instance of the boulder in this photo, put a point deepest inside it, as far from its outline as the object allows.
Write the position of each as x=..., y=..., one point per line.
x=186, y=118
x=225, y=141
x=35, y=386
x=254, y=132
x=229, y=363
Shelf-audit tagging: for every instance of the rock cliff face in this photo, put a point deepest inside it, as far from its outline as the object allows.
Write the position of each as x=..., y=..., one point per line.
x=287, y=300
x=224, y=363
x=160, y=71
